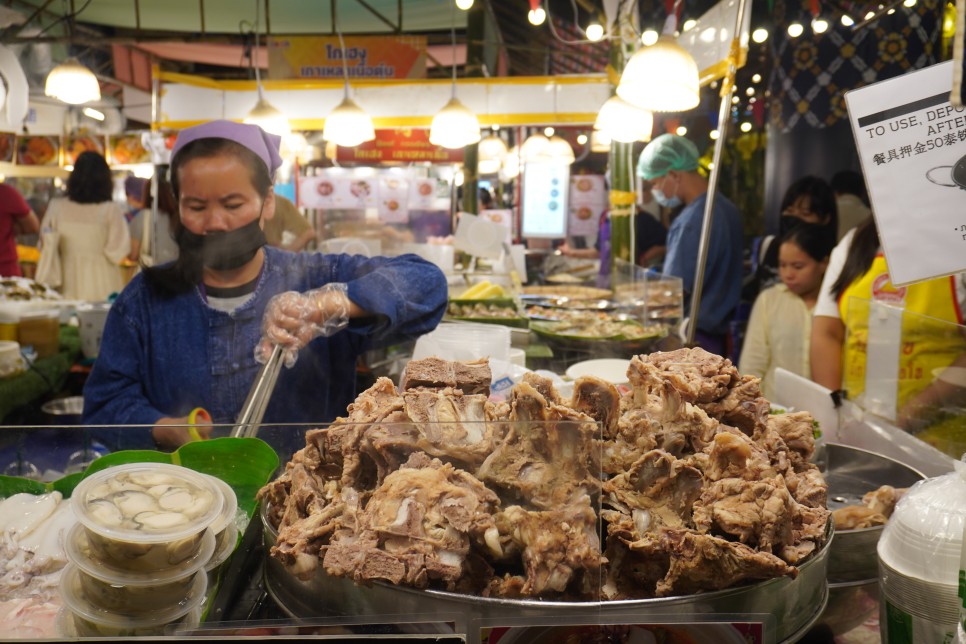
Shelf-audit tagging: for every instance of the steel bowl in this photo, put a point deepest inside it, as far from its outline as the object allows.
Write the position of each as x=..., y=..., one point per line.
x=852, y=472
x=796, y=604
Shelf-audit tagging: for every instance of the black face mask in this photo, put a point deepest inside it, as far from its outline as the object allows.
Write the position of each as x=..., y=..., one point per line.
x=788, y=222
x=227, y=250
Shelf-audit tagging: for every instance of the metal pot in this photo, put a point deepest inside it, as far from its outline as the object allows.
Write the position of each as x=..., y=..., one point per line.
x=851, y=473
x=796, y=604
x=64, y=411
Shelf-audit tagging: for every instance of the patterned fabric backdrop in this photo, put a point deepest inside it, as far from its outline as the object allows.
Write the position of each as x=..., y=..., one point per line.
x=813, y=72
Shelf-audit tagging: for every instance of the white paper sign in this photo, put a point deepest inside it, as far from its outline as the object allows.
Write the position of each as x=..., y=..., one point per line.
x=588, y=199
x=912, y=146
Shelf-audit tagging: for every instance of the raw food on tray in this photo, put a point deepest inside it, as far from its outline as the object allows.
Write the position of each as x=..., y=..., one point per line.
x=684, y=484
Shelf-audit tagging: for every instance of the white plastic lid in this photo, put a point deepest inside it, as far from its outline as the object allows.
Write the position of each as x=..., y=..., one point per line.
x=70, y=591
x=96, y=493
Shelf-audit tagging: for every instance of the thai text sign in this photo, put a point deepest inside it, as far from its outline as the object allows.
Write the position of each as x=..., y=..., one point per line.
x=366, y=57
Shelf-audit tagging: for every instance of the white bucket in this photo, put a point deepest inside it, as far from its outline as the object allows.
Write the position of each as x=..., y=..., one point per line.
x=91, y=318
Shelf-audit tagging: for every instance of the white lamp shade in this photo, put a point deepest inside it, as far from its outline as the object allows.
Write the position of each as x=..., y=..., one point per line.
x=492, y=151
x=534, y=148
x=560, y=151
x=267, y=117
x=72, y=83
x=454, y=126
x=661, y=78
x=621, y=121
x=348, y=125
x=511, y=164
x=540, y=149
x=600, y=141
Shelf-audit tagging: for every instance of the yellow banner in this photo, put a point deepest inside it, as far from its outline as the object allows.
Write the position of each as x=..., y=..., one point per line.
x=366, y=57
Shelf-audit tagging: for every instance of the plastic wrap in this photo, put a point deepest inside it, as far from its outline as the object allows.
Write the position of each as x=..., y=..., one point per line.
x=294, y=319
x=919, y=555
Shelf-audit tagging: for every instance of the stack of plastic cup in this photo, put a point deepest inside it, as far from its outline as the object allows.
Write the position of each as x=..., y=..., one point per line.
x=138, y=554
x=919, y=555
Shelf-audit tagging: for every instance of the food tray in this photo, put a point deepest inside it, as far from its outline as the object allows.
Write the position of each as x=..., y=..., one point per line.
x=795, y=603
x=574, y=292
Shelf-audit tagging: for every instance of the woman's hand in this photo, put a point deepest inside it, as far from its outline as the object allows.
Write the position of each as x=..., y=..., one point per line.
x=292, y=320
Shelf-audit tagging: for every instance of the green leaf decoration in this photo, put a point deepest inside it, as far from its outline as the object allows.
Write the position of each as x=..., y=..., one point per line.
x=246, y=464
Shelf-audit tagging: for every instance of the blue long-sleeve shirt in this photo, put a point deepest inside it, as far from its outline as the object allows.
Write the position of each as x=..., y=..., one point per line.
x=721, y=289
x=163, y=356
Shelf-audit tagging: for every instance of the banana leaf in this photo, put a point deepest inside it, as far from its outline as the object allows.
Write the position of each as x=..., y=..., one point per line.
x=246, y=464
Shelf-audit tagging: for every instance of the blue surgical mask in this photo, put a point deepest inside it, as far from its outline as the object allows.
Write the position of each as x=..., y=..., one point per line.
x=668, y=202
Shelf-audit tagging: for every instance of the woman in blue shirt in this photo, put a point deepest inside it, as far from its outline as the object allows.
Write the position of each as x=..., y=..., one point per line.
x=184, y=335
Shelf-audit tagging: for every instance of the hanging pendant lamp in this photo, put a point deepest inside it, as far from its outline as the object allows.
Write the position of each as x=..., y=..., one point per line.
x=662, y=77
x=72, y=83
x=623, y=122
x=454, y=126
x=264, y=114
x=348, y=125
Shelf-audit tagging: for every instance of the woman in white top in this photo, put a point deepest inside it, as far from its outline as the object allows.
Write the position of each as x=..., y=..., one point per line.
x=780, y=326
x=94, y=237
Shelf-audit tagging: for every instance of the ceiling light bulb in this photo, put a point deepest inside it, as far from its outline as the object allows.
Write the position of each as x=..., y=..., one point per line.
x=870, y=15
x=454, y=126
x=714, y=135
x=348, y=125
x=746, y=127
x=847, y=20
x=465, y=5
x=594, y=31
x=97, y=115
x=735, y=100
x=688, y=24
x=581, y=139
x=756, y=78
x=795, y=29
x=649, y=37
x=759, y=35
x=72, y=83
x=265, y=116
x=661, y=78
x=623, y=122
x=909, y=3
x=750, y=91
x=820, y=25
x=537, y=16
x=890, y=12
x=681, y=130
x=548, y=131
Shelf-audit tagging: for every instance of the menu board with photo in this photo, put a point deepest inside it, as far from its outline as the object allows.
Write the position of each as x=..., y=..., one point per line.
x=128, y=149
x=38, y=150
x=422, y=193
x=394, y=199
x=8, y=145
x=588, y=199
x=75, y=145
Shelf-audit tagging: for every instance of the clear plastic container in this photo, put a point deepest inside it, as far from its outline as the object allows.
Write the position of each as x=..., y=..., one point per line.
x=91, y=619
x=228, y=543
x=140, y=599
x=146, y=516
x=226, y=520
x=80, y=554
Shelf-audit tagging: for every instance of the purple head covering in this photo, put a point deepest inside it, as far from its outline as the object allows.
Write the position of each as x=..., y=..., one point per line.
x=254, y=138
x=134, y=187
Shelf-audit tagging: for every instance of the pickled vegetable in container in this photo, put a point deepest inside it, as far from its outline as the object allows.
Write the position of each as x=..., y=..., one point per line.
x=919, y=561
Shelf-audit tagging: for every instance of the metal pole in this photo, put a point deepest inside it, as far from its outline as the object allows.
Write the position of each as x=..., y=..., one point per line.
x=723, y=118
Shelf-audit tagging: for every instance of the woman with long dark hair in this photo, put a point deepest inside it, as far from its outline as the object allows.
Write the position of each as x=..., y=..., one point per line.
x=928, y=341
x=94, y=237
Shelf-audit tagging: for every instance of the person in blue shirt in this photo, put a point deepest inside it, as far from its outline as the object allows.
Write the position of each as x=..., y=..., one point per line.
x=191, y=333
x=670, y=163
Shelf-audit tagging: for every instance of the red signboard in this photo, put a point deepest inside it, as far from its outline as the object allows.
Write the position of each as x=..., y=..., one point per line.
x=404, y=145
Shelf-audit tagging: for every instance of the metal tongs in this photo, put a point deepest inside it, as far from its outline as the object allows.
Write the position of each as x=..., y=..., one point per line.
x=250, y=418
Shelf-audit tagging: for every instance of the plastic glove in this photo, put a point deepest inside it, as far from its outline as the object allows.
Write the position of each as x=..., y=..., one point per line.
x=293, y=319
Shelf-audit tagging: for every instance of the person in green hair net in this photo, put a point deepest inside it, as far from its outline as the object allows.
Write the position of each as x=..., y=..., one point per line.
x=670, y=163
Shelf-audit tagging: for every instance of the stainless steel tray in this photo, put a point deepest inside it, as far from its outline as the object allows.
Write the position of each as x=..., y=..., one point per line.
x=796, y=604
x=850, y=473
